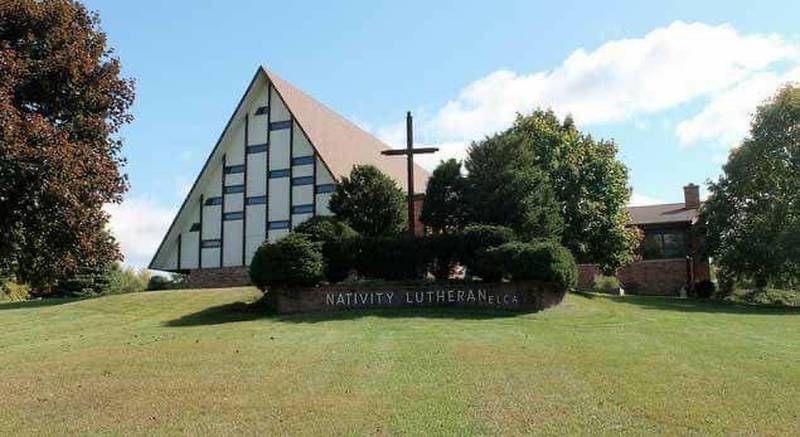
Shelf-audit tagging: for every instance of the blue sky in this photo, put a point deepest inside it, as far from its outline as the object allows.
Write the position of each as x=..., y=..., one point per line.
x=672, y=83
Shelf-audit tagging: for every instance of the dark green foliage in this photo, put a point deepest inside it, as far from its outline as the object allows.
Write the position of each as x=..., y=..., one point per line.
x=752, y=218
x=370, y=202
x=544, y=261
x=444, y=207
x=392, y=257
x=292, y=261
x=172, y=282
x=540, y=167
x=704, y=289
x=87, y=282
x=477, y=238
x=502, y=189
x=338, y=244
x=445, y=251
x=101, y=280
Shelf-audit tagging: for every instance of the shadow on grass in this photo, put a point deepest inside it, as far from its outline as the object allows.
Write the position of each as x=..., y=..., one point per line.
x=710, y=306
x=25, y=304
x=243, y=312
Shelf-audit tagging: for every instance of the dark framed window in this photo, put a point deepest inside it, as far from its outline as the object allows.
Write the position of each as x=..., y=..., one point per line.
x=261, y=110
x=303, y=180
x=233, y=189
x=303, y=160
x=210, y=244
x=282, y=173
x=302, y=209
x=257, y=148
x=195, y=227
x=666, y=243
x=256, y=200
x=233, y=215
x=212, y=201
x=283, y=224
x=278, y=125
x=234, y=169
x=325, y=188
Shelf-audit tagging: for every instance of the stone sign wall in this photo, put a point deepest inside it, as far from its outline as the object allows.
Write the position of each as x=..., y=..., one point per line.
x=512, y=296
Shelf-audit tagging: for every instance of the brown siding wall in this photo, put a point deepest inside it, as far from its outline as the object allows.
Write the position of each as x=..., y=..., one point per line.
x=214, y=278
x=653, y=277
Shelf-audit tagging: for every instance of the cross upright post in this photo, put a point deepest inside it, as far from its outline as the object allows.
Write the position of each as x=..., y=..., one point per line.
x=409, y=152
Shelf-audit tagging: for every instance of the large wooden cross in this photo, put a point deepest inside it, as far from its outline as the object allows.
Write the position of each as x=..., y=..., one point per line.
x=409, y=152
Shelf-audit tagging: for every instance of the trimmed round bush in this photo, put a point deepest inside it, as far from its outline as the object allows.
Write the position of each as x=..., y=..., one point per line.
x=476, y=239
x=338, y=244
x=295, y=260
x=544, y=261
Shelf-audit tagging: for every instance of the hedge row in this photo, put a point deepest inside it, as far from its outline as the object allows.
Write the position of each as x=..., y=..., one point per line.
x=326, y=248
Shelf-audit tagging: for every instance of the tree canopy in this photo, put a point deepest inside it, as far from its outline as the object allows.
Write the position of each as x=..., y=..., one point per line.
x=443, y=208
x=546, y=179
x=752, y=217
x=61, y=103
x=370, y=202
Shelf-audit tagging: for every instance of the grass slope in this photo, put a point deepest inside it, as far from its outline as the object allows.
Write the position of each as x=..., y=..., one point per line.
x=204, y=362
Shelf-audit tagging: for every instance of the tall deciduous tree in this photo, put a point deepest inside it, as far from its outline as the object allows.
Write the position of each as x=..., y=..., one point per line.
x=752, y=218
x=370, y=202
x=588, y=183
x=61, y=103
x=444, y=207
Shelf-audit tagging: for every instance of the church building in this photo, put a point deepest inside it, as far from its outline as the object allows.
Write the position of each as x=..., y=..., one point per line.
x=277, y=162
x=274, y=166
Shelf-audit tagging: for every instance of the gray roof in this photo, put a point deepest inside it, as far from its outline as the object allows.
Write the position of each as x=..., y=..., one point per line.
x=662, y=214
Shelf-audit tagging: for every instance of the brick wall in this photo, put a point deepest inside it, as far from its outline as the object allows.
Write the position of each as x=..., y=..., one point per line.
x=221, y=277
x=663, y=277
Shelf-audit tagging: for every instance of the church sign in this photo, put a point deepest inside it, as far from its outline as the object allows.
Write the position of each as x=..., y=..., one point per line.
x=512, y=296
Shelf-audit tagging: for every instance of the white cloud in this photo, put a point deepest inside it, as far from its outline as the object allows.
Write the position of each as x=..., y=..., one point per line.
x=619, y=80
x=726, y=119
x=638, y=199
x=457, y=150
x=139, y=224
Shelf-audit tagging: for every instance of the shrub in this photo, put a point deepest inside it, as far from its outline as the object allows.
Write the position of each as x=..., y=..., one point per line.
x=369, y=201
x=112, y=278
x=337, y=239
x=86, y=282
x=126, y=280
x=545, y=261
x=172, y=282
x=478, y=238
x=392, y=257
x=13, y=292
x=606, y=284
x=704, y=289
x=445, y=251
x=292, y=261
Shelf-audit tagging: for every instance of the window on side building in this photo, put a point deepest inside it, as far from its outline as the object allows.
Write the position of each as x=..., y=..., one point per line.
x=661, y=244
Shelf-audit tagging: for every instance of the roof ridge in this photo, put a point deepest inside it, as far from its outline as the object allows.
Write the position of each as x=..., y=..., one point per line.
x=340, y=142
x=333, y=112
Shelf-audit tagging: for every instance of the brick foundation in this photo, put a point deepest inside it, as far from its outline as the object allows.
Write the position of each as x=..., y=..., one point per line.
x=653, y=277
x=220, y=277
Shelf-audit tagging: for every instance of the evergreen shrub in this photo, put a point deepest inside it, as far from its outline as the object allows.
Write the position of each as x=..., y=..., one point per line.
x=295, y=260
x=544, y=261
x=338, y=245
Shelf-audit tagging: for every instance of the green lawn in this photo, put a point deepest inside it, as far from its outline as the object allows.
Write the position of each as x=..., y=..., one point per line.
x=205, y=362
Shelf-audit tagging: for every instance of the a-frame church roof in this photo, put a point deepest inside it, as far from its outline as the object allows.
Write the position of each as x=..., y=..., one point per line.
x=338, y=143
